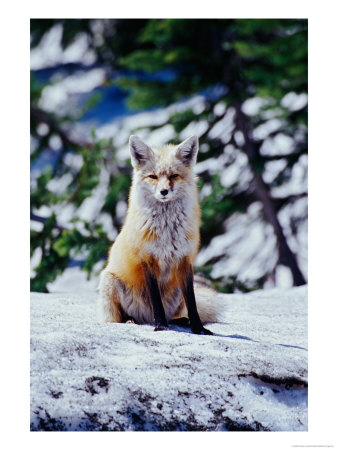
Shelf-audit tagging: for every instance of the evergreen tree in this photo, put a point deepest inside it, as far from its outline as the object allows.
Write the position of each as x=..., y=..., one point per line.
x=162, y=63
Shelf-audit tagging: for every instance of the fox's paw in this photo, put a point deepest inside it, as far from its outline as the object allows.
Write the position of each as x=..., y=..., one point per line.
x=202, y=331
x=160, y=328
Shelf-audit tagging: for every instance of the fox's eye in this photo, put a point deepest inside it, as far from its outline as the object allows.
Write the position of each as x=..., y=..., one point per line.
x=174, y=176
x=154, y=177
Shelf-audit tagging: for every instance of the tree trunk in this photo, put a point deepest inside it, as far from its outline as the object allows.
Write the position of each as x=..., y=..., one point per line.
x=261, y=191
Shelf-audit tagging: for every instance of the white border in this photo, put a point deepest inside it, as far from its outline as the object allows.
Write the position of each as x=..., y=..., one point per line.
x=323, y=220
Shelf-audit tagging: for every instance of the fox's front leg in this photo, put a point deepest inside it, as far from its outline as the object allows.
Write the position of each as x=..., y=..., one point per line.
x=155, y=296
x=186, y=275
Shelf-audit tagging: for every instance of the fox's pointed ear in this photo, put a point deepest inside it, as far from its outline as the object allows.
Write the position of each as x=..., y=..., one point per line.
x=187, y=151
x=140, y=152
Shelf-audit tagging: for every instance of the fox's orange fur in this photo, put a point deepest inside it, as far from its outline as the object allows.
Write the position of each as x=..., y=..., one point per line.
x=159, y=239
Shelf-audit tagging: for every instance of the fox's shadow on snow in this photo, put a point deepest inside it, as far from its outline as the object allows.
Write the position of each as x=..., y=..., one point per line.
x=181, y=329
x=183, y=326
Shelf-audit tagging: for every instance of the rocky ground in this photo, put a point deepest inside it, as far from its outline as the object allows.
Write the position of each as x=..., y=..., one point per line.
x=251, y=375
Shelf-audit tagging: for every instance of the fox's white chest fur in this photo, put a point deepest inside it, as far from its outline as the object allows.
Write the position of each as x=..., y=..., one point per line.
x=169, y=223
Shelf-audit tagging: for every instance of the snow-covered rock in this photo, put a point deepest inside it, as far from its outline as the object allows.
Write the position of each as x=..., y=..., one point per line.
x=250, y=375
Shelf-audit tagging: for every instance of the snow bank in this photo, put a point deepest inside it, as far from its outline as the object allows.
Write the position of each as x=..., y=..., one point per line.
x=251, y=375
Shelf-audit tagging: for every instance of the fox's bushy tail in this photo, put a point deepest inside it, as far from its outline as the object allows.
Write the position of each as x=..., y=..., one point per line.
x=210, y=305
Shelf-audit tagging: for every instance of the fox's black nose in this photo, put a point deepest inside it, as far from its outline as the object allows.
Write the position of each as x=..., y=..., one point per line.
x=164, y=192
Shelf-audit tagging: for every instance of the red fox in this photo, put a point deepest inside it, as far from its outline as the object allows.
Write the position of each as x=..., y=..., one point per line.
x=149, y=274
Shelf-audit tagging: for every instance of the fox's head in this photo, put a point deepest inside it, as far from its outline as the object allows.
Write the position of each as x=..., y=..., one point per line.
x=163, y=173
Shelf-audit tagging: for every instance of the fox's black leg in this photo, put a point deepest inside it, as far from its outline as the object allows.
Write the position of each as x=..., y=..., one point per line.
x=187, y=286
x=155, y=296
